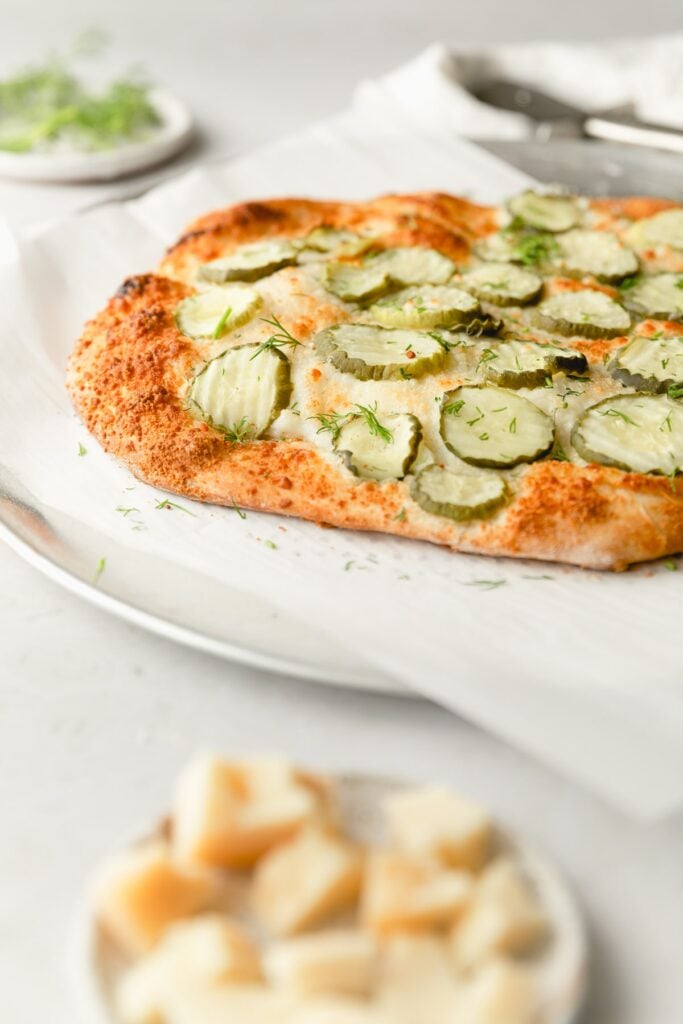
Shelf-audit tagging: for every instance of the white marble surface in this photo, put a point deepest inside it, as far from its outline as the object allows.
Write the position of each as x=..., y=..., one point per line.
x=96, y=716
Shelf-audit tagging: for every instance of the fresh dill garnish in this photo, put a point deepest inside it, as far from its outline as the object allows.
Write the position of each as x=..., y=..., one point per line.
x=239, y=432
x=483, y=437
x=558, y=454
x=629, y=282
x=531, y=249
x=619, y=415
x=125, y=511
x=280, y=339
x=82, y=450
x=542, y=577
x=165, y=503
x=369, y=413
x=330, y=423
x=99, y=569
x=470, y=423
x=240, y=511
x=441, y=340
x=666, y=424
x=47, y=105
x=400, y=516
x=348, y=565
x=671, y=566
x=270, y=544
x=487, y=356
x=220, y=326
x=485, y=584
x=513, y=425
x=294, y=409
x=679, y=283
x=675, y=391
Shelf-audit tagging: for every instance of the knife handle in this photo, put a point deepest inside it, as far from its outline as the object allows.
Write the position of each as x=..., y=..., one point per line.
x=634, y=133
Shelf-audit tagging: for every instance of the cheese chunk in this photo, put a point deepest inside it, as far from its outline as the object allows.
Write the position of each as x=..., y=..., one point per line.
x=337, y=1011
x=505, y=917
x=404, y=892
x=229, y=814
x=341, y=961
x=436, y=822
x=306, y=881
x=500, y=993
x=417, y=984
x=202, y=953
x=139, y=893
x=230, y=1004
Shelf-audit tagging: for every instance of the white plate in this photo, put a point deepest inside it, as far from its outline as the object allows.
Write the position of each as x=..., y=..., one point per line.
x=171, y=136
x=561, y=967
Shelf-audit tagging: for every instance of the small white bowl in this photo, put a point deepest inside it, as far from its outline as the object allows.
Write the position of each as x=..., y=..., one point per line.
x=168, y=138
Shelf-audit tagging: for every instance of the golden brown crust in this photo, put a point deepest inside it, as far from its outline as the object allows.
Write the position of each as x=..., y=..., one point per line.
x=127, y=368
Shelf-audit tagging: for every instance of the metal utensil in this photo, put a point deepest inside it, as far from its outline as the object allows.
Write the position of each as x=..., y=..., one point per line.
x=555, y=119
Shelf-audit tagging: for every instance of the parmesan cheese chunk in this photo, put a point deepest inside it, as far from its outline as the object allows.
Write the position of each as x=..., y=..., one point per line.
x=436, y=822
x=337, y=961
x=403, y=892
x=417, y=984
x=306, y=881
x=501, y=993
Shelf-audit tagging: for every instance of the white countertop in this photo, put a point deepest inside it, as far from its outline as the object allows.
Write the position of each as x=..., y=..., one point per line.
x=96, y=716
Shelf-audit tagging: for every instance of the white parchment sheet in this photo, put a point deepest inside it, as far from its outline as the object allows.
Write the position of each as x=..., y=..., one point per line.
x=581, y=669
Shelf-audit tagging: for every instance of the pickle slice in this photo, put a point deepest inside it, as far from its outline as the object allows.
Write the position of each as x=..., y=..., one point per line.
x=528, y=364
x=416, y=265
x=529, y=247
x=503, y=284
x=327, y=239
x=379, y=353
x=356, y=282
x=598, y=253
x=214, y=312
x=426, y=306
x=638, y=433
x=491, y=426
x=455, y=495
x=663, y=229
x=250, y=262
x=587, y=313
x=650, y=364
x=378, y=447
x=545, y=212
x=240, y=392
x=657, y=295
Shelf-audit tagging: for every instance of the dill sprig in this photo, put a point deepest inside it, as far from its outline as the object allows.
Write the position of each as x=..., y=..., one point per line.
x=369, y=413
x=165, y=503
x=330, y=423
x=279, y=339
x=239, y=432
x=220, y=326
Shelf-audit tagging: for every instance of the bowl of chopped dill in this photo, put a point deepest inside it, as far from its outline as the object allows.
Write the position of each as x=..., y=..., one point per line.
x=59, y=124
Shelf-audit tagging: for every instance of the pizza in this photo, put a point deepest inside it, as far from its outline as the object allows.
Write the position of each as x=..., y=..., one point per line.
x=505, y=381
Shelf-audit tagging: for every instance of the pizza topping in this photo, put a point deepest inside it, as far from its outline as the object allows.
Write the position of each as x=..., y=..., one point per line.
x=425, y=306
x=330, y=240
x=599, y=253
x=587, y=312
x=638, y=433
x=545, y=212
x=490, y=426
x=502, y=284
x=379, y=449
x=241, y=391
x=528, y=246
x=456, y=495
x=214, y=312
x=251, y=262
x=658, y=295
x=650, y=364
x=379, y=353
x=356, y=282
x=528, y=364
x=391, y=268
x=664, y=229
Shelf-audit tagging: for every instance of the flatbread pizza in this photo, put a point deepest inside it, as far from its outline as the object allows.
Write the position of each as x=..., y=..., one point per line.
x=505, y=381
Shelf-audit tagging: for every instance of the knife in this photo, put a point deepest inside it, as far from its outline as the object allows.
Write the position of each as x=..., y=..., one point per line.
x=555, y=119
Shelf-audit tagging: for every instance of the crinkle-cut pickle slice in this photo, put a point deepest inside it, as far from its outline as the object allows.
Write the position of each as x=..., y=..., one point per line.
x=241, y=391
x=650, y=364
x=251, y=262
x=657, y=295
x=391, y=268
x=379, y=447
x=528, y=364
x=425, y=306
x=588, y=313
x=663, y=229
x=638, y=433
x=545, y=212
x=457, y=496
x=597, y=253
x=215, y=311
x=380, y=353
x=491, y=426
x=328, y=239
x=503, y=284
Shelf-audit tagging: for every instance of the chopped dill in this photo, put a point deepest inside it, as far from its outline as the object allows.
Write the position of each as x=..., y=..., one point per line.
x=369, y=413
x=239, y=432
x=165, y=503
x=125, y=511
x=400, y=516
x=82, y=450
x=220, y=326
x=330, y=423
x=280, y=339
x=486, y=584
x=99, y=569
x=240, y=511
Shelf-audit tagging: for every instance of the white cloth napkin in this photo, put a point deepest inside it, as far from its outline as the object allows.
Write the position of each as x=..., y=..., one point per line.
x=432, y=90
x=580, y=669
